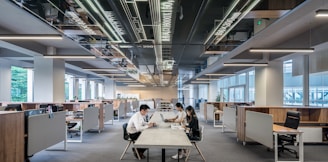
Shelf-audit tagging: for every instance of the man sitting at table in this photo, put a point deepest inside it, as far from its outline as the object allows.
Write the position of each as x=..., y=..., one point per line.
x=136, y=125
x=181, y=116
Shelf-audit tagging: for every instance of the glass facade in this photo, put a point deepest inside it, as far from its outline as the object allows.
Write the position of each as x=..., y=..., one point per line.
x=293, y=85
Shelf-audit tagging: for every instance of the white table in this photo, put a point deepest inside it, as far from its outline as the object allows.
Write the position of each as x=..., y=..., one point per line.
x=281, y=130
x=163, y=136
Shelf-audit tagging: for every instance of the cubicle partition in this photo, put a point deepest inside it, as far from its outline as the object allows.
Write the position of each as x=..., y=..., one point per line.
x=90, y=119
x=108, y=113
x=44, y=131
x=259, y=128
x=229, y=119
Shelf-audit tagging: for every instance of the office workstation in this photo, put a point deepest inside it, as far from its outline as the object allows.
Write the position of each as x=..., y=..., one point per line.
x=93, y=63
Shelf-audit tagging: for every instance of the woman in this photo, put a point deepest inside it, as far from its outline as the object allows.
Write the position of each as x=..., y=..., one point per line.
x=192, y=129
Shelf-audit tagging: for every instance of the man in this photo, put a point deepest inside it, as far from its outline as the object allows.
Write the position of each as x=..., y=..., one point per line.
x=136, y=125
x=181, y=116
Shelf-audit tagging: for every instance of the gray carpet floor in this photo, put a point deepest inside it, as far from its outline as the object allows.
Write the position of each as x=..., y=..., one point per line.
x=108, y=146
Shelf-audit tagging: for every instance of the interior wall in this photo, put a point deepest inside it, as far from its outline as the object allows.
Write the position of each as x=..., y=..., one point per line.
x=166, y=93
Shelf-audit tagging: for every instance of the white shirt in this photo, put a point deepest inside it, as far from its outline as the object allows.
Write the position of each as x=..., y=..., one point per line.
x=137, y=123
x=181, y=116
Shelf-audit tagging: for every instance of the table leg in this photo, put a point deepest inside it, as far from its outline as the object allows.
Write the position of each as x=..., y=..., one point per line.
x=301, y=148
x=275, y=147
x=163, y=155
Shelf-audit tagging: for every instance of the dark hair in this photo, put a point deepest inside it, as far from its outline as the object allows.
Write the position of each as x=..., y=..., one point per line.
x=144, y=107
x=179, y=105
x=192, y=112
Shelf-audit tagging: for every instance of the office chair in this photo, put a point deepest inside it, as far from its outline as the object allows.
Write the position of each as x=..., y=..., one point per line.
x=127, y=138
x=292, y=121
x=71, y=129
x=194, y=142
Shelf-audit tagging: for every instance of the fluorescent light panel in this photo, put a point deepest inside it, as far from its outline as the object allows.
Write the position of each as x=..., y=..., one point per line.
x=131, y=85
x=215, y=52
x=200, y=82
x=100, y=69
x=113, y=74
x=281, y=50
x=219, y=74
x=245, y=64
x=206, y=79
x=70, y=57
x=321, y=13
x=31, y=37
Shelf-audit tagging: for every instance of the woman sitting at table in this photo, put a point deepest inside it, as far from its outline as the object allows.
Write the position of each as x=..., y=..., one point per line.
x=181, y=116
x=192, y=129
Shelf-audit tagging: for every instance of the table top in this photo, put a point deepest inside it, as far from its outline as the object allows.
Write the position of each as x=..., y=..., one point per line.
x=163, y=137
x=282, y=129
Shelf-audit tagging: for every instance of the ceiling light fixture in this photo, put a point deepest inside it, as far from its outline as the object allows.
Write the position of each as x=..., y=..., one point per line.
x=100, y=69
x=215, y=52
x=31, y=37
x=321, y=13
x=200, y=82
x=281, y=50
x=245, y=64
x=133, y=85
x=69, y=57
x=206, y=79
x=219, y=74
x=113, y=74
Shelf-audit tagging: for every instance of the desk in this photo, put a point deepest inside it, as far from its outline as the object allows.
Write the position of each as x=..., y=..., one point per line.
x=280, y=130
x=79, y=120
x=162, y=137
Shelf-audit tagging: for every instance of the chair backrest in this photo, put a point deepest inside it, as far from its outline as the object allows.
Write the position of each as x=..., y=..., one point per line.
x=125, y=132
x=292, y=119
x=201, y=134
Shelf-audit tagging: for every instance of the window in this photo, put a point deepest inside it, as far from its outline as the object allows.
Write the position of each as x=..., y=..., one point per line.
x=18, y=84
x=293, y=85
x=318, y=93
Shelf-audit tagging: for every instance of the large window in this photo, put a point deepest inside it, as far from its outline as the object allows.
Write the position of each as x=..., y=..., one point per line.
x=293, y=85
x=234, y=88
x=318, y=93
x=18, y=84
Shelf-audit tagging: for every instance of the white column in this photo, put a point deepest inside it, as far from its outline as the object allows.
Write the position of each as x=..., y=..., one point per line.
x=269, y=85
x=109, y=89
x=76, y=88
x=213, y=90
x=30, y=76
x=87, y=89
x=5, y=81
x=49, y=78
x=96, y=90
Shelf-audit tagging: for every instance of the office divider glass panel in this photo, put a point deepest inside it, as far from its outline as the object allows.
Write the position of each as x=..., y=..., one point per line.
x=18, y=84
x=318, y=89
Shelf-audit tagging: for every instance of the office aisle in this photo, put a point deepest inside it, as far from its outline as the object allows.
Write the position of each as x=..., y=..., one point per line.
x=217, y=147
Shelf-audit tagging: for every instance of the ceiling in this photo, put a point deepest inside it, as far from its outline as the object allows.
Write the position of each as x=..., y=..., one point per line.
x=156, y=41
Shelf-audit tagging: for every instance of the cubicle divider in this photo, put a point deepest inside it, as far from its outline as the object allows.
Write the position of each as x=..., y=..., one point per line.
x=229, y=119
x=259, y=128
x=109, y=113
x=90, y=118
x=45, y=131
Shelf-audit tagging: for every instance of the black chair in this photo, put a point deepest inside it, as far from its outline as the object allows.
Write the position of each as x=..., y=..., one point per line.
x=292, y=121
x=127, y=138
x=71, y=129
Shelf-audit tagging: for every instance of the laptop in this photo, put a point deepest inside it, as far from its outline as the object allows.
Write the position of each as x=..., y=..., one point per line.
x=162, y=117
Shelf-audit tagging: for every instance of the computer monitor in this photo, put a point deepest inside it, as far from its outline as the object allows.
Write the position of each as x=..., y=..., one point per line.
x=13, y=107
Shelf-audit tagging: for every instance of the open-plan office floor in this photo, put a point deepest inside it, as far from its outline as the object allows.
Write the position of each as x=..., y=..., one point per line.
x=216, y=147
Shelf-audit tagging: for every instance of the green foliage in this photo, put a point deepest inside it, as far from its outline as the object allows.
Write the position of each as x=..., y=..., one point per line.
x=18, y=84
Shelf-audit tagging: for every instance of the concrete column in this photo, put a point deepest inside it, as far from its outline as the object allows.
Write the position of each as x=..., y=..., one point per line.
x=269, y=85
x=87, y=89
x=96, y=90
x=76, y=88
x=109, y=89
x=306, y=80
x=5, y=82
x=49, y=78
